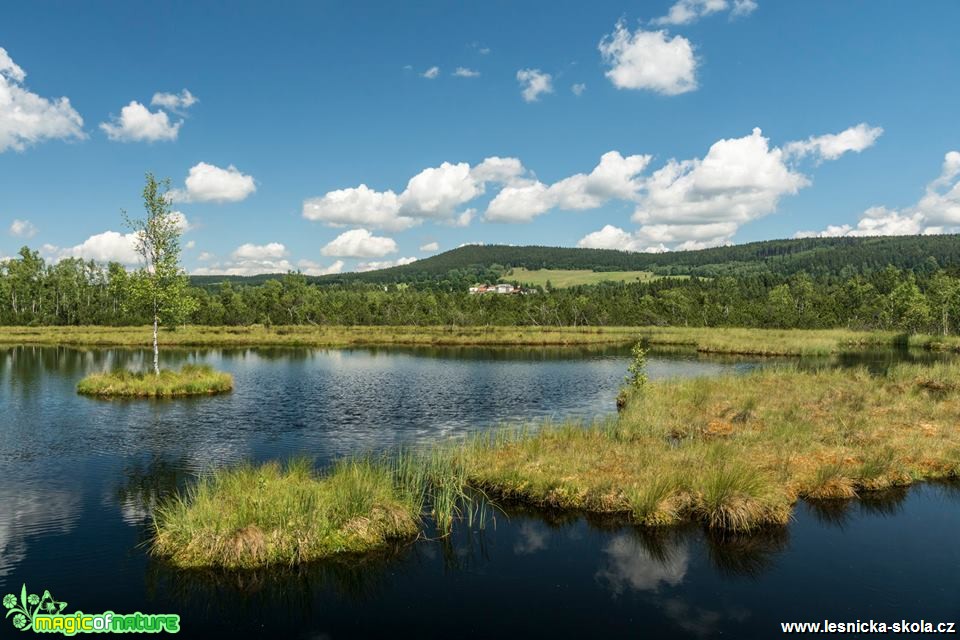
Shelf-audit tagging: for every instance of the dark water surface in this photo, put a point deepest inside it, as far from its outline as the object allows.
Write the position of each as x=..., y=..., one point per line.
x=79, y=476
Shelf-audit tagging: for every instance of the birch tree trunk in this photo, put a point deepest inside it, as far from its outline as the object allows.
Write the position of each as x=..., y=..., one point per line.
x=156, y=347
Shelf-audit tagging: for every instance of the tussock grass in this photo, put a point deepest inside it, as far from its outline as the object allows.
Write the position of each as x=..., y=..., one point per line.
x=190, y=380
x=248, y=517
x=736, y=452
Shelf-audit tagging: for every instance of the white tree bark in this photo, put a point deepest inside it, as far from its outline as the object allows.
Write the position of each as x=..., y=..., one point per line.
x=156, y=346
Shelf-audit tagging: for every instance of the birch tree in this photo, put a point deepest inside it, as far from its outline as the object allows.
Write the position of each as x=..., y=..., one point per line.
x=160, y=285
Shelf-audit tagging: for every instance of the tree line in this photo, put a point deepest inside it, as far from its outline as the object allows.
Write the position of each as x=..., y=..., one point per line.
x=925, y=299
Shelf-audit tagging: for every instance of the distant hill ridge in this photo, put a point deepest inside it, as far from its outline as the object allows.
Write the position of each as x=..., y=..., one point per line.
x=817, y=256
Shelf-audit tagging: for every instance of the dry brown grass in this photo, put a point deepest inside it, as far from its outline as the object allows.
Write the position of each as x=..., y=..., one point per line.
x=736, y=452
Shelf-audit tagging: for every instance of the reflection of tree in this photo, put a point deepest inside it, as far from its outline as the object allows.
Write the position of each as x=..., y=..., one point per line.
x=746, y=554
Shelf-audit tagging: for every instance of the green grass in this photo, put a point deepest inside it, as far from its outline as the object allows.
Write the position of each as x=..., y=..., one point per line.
x=562, y=278
x=734, y=453
x=191, y=380
x=249, y=517
x=773, y=342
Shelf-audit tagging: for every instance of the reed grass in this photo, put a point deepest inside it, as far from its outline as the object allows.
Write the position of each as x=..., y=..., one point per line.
x=190, y=380
x=768, y=342
x=247, y=517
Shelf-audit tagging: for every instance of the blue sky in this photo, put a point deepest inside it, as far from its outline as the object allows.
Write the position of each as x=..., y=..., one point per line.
x=717, y=121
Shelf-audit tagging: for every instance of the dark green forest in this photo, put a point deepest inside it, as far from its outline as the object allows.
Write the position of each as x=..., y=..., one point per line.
x=893, y=283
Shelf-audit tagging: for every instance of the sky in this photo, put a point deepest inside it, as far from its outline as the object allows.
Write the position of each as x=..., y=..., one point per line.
x=327, y=137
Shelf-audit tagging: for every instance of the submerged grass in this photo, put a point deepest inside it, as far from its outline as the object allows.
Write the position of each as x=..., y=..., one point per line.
x=190, y=380
x=783, y=342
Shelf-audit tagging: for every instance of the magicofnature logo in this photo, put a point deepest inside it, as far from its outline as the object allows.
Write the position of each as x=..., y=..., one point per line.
x=44, y=614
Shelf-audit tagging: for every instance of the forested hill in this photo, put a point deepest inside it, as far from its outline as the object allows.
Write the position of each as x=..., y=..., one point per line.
x=816, y=256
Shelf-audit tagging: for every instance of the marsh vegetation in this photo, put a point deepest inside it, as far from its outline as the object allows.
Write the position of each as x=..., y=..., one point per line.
x=733, y=453
x=190, y=380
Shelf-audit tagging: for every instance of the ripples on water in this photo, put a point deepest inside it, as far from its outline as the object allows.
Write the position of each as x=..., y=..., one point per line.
x=81, y=476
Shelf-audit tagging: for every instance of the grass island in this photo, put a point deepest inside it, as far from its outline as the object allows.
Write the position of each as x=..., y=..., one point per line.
x=190, y=380
x=733, y=453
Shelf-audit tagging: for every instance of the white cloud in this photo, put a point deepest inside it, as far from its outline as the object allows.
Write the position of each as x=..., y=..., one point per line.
x=430, y=246
x=464, y=72
x=384, y=264
x=192, y=244
x=688, y=11
x=610, y=237
x=615, y=177
x=358, y=205
x=739, y=180
x=938, y=211
x=23, y=229
x=833, y=145
x=434, y=193
x=176, y=102
x=649, y=60
x=250, y=251
x=534, y=83
x=26, y=118
x=359, y=243
x=250, y=259
x=205, y=256
x=109, y=246
x=431, y=73
x=578, y=89
x=743, y=8
x=209, y=183
x=310, y=268
x=138, y=124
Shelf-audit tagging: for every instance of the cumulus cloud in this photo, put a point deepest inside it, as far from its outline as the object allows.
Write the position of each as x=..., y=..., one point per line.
x=689, y=11
x=358, y=205
x=310, y=268
x=610, y=237
x=431, y=73
x=137, y=123
x=176, y=102
x=938, y=211
x=22, y=229
x=249, y=251
x=534, y=83
x=615, y=176
x=430, y=246
x=251, y=259
x=109, y=246
x=833, y=145
x=359, y=243
x=27, y=118
x=464, y=72
x=578, y=89
x=739, y=180
x=649, y=60
x=384, y=264
x=434, y=193
x=209, y=183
